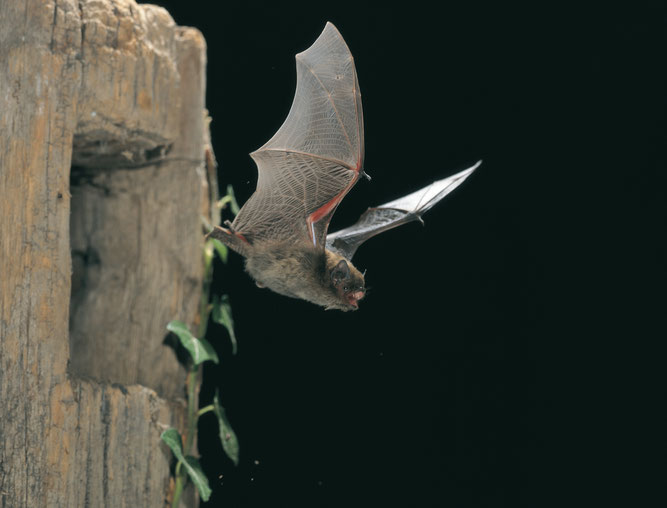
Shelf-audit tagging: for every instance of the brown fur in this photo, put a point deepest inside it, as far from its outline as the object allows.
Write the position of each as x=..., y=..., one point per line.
x=299, y=272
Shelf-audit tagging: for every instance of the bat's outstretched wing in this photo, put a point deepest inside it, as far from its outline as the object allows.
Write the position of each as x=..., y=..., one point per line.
x=316, y=156
x=389, y=215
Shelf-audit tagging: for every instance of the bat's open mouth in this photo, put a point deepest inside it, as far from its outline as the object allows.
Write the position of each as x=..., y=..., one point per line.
x=354, y=297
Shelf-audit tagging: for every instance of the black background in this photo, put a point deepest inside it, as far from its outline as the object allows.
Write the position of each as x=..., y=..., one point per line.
x=502, y=348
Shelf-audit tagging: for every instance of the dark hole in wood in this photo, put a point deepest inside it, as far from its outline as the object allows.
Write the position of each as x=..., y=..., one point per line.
x=87, y=264
x=130, y=277
x=107, y=195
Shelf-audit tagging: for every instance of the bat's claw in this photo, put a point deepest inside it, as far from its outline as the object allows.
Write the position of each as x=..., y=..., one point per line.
x=365, y=175
x=229, y=226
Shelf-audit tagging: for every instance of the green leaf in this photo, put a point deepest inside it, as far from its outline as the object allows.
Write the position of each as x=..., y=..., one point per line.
x=233, y=205
x=200, y=349
x=173, y=440
x=220, y=248
x=191, y=464
x=230, y=200
x=222, y=314
x=208, y=254
x=230, y=443
x=196, y=474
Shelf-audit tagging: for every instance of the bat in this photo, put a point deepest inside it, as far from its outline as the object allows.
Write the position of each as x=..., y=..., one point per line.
x=304, y=172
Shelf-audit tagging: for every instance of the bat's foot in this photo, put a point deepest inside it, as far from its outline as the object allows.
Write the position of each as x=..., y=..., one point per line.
x=218, y=233
x=235, y=241
x=229, y=226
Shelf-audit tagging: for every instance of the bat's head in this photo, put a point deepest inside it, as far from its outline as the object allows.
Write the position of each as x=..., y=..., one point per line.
x=348, y=284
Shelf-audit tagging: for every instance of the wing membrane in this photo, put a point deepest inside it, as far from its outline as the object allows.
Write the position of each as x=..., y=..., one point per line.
x=315, y=157
x=394, y=213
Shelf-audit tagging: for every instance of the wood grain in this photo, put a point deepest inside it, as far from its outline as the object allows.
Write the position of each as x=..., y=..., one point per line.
x=112, y=93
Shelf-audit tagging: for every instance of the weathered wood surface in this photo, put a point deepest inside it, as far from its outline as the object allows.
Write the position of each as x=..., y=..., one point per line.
x=107, y=88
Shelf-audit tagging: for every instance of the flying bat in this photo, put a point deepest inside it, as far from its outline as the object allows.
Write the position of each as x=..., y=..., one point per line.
x=304, y=172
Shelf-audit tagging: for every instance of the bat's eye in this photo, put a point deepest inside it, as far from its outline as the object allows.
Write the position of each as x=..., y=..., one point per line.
x=346, y=289
x=340, y=273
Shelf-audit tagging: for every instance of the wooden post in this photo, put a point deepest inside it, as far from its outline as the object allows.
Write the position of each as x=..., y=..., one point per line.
x=102, y=187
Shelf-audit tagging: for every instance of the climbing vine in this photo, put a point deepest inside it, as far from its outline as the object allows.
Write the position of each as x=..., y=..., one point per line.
x=199, y=351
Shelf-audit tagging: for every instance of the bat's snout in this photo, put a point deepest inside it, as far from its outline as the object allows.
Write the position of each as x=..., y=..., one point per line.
x=354, y=296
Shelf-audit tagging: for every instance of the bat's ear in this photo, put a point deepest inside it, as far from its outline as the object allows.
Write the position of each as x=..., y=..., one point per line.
x=340, y=273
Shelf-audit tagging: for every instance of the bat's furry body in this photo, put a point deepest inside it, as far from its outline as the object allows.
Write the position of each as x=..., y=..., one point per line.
x=304, y=272
x=305, y=170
